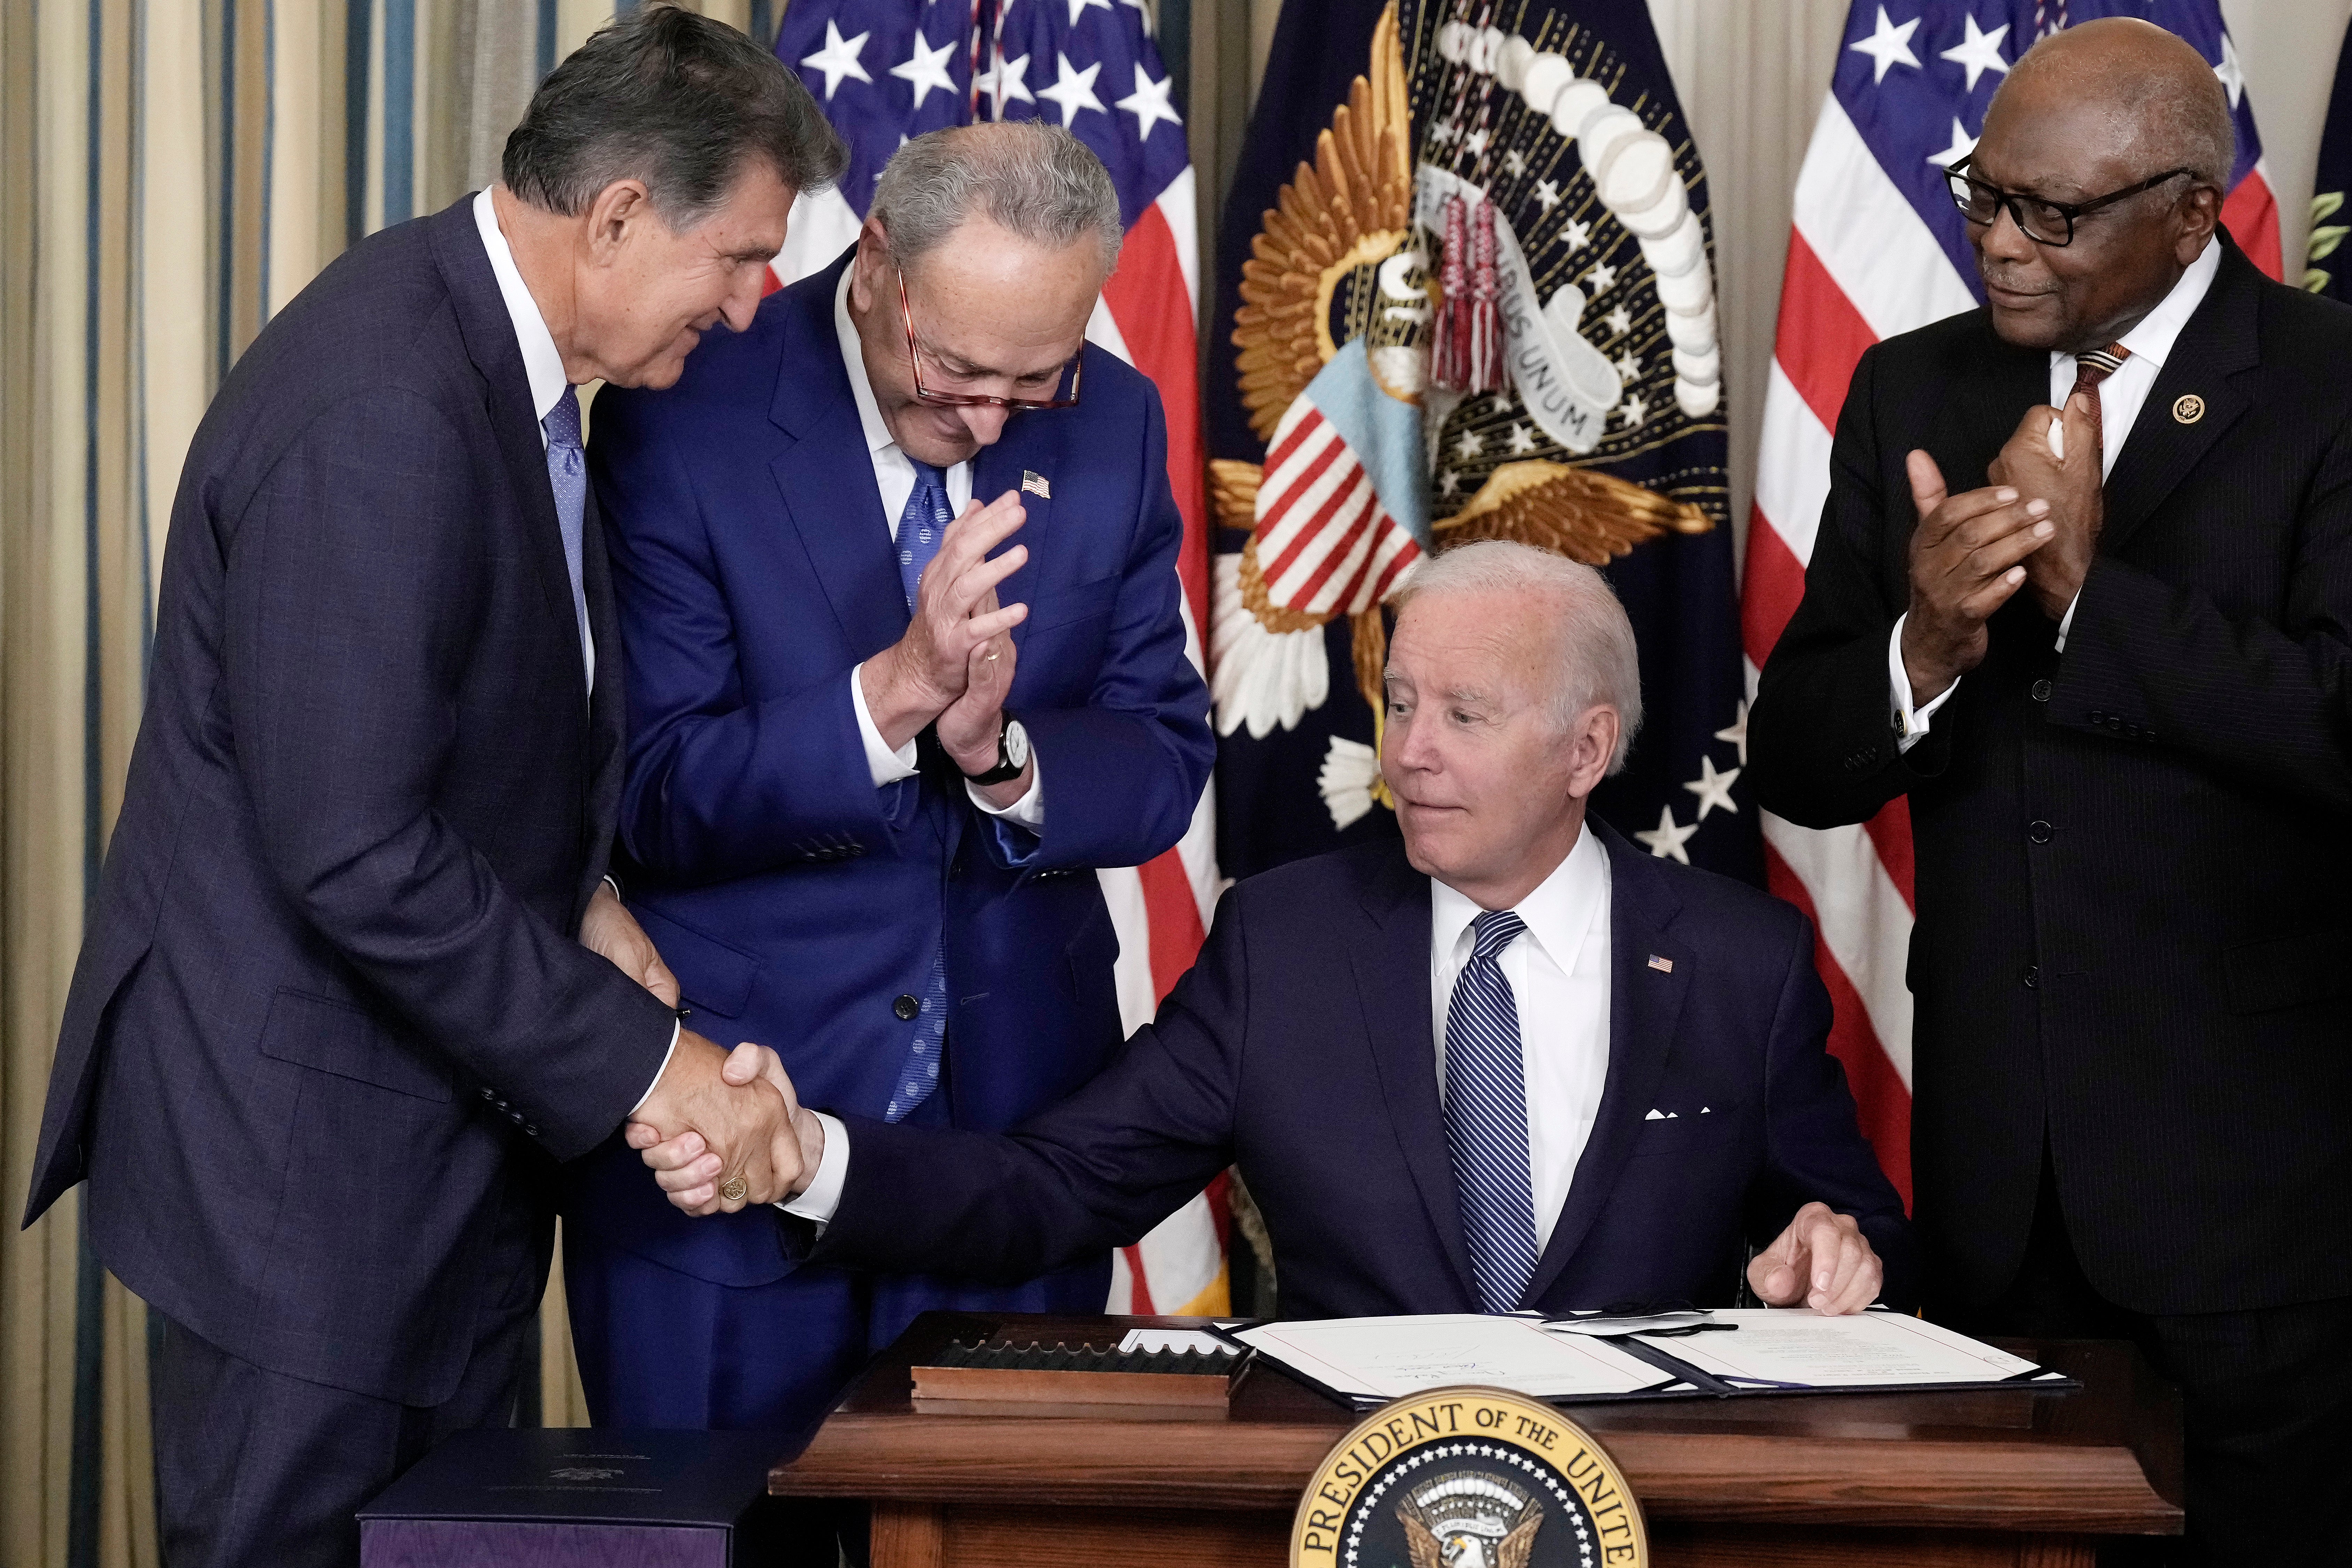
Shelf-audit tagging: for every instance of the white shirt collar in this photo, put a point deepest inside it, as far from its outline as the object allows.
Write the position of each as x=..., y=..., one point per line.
x=2153, y=338
x=1558, y=912
x=853, y=360
x=541, y=362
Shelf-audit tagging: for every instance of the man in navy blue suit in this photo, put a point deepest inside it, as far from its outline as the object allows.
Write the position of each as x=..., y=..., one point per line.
x=897, y=573
x=354, y=981
x=1507, y=1062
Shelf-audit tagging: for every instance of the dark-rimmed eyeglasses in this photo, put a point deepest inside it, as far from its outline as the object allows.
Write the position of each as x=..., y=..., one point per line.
x=1065, y=391
x=2044, y=222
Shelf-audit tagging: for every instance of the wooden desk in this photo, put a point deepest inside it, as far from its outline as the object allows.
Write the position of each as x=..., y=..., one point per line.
x=2022, y=1478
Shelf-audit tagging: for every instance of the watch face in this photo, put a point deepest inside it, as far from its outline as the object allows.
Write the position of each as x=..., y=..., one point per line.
x=1016, y=744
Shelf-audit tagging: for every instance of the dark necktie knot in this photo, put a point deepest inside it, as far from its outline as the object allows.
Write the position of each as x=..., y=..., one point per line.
x=1493, y=931
x=2095, y=365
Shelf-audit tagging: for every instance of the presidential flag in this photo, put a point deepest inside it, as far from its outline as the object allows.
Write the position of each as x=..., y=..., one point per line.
x=886, y=71
x=1469, y=290
x=1878, y=247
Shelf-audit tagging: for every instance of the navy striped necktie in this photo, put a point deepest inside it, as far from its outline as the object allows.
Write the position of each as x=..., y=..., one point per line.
x=1487, y=1118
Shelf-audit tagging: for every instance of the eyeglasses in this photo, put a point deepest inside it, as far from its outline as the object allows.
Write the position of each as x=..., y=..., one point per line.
x=2042, y=222
x=1065, y=391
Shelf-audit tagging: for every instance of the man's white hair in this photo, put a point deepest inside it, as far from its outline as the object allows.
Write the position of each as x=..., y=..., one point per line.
x=1596, y=660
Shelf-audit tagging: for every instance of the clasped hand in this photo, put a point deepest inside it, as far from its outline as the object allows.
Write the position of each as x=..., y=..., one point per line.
x=2037, y=523
x=691, y=1169
x=954, y=665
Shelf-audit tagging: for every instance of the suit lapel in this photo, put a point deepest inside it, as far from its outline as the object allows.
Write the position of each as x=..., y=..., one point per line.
x=824, y=479
x=1031, y=444
x=607, y=700
x=1393, y=985
x=489, y=338
x=2220, y=340
x=1644, y=1003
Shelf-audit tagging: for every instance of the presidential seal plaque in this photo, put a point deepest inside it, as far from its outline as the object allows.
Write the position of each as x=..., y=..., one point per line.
x=1468, y=1477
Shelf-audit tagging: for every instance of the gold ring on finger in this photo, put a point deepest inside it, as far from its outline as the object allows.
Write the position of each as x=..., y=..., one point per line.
x=734, y=1189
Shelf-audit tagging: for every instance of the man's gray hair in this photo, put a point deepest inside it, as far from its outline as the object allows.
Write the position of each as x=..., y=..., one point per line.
x=1599, y=662
x=674, y=100
x=1035, y=179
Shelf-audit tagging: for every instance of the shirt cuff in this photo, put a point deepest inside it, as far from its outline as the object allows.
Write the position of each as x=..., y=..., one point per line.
x=674, y=1031
x=824, y=1194
x=2066, y=621
x=1911, y=723
x=884, y=765
x=1029, y=811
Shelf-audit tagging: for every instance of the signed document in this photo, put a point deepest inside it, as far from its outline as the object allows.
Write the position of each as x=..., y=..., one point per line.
x=1379, y=1359
x=1795, y=1347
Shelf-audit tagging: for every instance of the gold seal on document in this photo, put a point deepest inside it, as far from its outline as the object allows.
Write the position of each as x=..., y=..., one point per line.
x=2188, y=408
x=1468, y=1478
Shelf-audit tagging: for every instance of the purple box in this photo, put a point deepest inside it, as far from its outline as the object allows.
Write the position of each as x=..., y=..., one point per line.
x=593, y=1498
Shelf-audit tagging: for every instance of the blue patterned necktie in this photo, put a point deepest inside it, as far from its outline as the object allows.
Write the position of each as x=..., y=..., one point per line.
x=1487, y=1119
x=567, y=474
x=921, y=527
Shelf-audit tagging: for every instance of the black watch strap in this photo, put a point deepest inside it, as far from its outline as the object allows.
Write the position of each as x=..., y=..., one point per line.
x=1006, y=769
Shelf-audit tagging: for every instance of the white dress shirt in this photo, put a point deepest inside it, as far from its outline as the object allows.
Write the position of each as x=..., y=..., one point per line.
x=1558, y=972
x=894, y=476
x=2120, y=396
x=544, y=366
x=541, y=362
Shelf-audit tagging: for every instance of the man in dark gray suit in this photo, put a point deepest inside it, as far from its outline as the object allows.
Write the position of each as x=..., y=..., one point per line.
x=355, y=980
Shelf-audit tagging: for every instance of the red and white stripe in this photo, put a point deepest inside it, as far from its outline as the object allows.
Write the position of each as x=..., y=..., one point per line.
x=1326, y=544
x=1863, y=265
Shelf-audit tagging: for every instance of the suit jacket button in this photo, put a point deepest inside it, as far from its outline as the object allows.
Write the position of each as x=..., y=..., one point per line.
x=906, y=1007
x=528, y=1127
x=2038, y=830
x=2098, y=717
x=2032, y=976
x=2042, y=691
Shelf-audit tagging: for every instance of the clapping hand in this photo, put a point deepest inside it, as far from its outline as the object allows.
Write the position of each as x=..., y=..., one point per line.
x=687, y=1166
x=2032, y=464
x=1823, y=1261
x=1968, y=557
x=956, y=619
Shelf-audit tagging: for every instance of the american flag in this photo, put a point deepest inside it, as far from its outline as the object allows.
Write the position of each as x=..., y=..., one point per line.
x=886, y=71
x=1877, y=247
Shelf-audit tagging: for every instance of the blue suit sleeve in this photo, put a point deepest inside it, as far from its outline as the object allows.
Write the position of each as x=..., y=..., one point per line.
x=722, y=783
x=1814, y=1150
x=1097, y=1171
x=1126, y=769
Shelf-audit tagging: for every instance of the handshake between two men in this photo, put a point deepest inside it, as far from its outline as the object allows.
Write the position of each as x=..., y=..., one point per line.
x=950, y=672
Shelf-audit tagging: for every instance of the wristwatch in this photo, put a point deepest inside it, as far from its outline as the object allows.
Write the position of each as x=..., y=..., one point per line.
x=1012, y=753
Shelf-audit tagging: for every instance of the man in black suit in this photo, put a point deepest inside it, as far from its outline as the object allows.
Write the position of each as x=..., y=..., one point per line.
x=2105, y=651
x=354, y=981
x=1507, y=1060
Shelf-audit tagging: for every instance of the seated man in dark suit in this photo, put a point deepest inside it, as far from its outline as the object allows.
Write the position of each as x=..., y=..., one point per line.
x=1509, y=1062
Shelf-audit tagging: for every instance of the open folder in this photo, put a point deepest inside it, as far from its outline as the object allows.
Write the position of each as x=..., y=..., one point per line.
x=1370, y=1360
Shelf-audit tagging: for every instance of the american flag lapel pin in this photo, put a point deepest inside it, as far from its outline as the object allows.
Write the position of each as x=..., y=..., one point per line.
x=1034, y=483
x=1662, y=966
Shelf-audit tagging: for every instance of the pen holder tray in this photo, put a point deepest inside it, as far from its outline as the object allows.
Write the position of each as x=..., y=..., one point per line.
x=1034, y=1372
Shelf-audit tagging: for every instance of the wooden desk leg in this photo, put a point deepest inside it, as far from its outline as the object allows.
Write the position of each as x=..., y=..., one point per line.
x=2057, y=1552
x=915, y=1535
